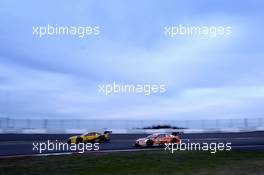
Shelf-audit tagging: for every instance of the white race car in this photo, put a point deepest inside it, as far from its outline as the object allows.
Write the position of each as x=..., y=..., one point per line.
x=157, y=139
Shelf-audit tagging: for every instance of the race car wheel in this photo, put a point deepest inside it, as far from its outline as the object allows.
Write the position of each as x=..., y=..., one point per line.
x=102, y=139
x=79, y=140
x=149, y=143
x=173, y=140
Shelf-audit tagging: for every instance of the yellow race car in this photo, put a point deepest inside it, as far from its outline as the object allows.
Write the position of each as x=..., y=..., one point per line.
x=90, y=137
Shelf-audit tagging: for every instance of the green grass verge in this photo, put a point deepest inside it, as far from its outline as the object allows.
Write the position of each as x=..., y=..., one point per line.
x=139, y=163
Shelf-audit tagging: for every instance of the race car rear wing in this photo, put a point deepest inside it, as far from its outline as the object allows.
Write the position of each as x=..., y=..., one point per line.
x=107, y=132
x=177, y=133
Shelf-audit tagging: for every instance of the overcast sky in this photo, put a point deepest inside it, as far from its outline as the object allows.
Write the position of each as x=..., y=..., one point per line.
x=57, y=77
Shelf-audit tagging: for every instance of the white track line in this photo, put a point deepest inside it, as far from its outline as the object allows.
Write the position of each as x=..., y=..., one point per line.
x=247, y=146
x=69, y=153
x=106, y=151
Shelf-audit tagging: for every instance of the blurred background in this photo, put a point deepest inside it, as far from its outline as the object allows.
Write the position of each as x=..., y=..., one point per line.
x=52, y=82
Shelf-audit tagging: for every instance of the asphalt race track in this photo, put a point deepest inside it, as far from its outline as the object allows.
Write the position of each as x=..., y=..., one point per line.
x=22, y=144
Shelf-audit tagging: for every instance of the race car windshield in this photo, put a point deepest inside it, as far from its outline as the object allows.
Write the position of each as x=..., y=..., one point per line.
x=88, y=134
x=151, y=136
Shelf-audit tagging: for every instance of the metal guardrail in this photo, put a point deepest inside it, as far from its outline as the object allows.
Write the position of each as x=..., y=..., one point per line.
x=16, y=124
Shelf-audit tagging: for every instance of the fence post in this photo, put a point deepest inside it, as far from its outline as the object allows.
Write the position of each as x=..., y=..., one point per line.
x=216, y=124
x=245, y=123
x=110, y=124
x=95, y=125
x=260, y=122
x=78, y=124
x=28, y=123
x=186, y=123
x=141, y=123
x=202, y=124
x=45, y=123
x=231, y=123
x=7, y=122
